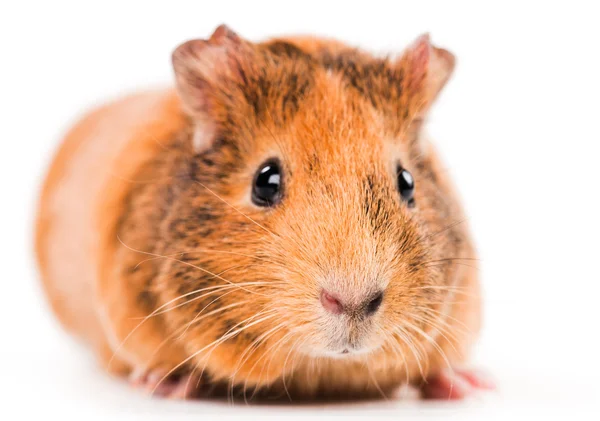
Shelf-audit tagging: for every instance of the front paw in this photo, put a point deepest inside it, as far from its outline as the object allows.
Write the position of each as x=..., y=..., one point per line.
x=159, y=382
x=455, y=384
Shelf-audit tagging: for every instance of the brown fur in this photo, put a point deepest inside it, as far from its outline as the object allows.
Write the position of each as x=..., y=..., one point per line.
x=147, y=204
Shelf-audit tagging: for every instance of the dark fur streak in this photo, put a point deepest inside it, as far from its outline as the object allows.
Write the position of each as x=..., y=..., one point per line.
x=282, y=48
x=374, y=204
x=146, y=299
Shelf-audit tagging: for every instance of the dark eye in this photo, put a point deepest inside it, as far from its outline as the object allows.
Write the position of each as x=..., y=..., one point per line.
x=406, y=186
x=266, y=190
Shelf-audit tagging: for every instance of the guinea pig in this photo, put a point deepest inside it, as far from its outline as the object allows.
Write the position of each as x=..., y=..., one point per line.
x=275, y=224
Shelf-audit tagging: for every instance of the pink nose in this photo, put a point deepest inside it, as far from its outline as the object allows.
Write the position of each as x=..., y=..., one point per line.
x=331, y=303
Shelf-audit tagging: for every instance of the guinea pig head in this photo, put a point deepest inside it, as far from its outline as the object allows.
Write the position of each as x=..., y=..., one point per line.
x=315, y=218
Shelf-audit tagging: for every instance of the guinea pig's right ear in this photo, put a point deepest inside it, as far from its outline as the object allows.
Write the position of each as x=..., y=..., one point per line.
x=204, y=71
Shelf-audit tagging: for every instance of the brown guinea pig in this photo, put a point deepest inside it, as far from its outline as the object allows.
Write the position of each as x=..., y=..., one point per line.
x=276, y=225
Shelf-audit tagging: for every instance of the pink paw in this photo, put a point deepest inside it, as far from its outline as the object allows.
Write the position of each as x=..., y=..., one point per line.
x=456, y=384
x=157, y=382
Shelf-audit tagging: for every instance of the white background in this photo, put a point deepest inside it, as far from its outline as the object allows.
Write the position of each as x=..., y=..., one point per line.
x=517, y=127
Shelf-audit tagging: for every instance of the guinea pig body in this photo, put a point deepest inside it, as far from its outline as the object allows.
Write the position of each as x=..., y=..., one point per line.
x=278, y=224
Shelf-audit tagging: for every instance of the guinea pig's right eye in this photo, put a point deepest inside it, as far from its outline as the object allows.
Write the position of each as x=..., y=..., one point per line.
x=266, y=190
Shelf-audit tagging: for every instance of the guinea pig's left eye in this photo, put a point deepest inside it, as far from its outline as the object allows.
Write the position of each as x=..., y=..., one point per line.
x=406, y=186
x=266, y=190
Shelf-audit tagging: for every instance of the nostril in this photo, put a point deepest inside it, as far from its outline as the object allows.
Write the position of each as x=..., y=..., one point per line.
x=331, y=303
x=374, y=304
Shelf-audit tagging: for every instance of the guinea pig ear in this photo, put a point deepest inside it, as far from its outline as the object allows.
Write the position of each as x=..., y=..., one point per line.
x=426, y=69
x=205, y=71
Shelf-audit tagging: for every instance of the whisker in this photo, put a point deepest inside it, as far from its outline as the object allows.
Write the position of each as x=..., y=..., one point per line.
x=374, y=380
x=429, y=339
x=197, y=316
x=433, y=265
x=448, y=227
x=214, y=289
x=235, y=209
x=152, y=314
x=185, y=326
x=253, y=348
x=399, y=351
x=471, y=259
x=217, y=342
x=447, y=316
x=292, y=349
x=446, y=328
x=405, y=337
x=442, y=287
x=433, y=324
x=454, y=290
x=182, y=253
x=180, y=261
x=300, y=247
x=277, y=345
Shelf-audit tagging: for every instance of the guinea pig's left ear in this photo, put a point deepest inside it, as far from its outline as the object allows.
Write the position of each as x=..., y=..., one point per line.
x=426, y=70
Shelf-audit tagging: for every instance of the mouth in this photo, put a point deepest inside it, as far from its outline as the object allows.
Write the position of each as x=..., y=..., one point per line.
x=346, y=352
x=345, y=342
